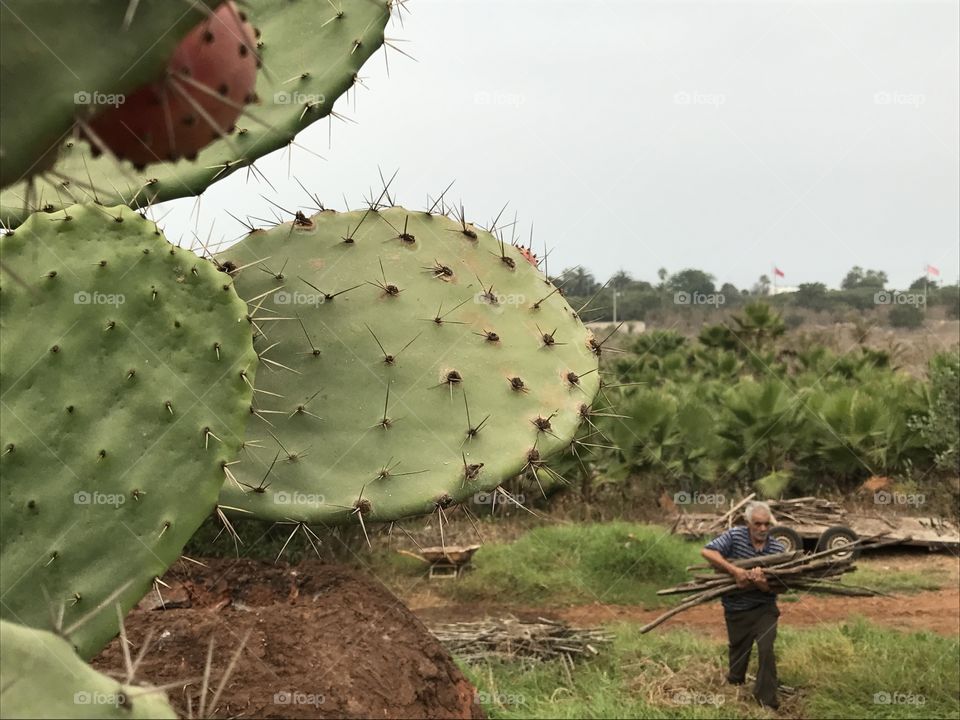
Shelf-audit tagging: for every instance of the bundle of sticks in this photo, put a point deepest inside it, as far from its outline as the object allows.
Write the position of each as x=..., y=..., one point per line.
x=513, y=638
x=815, y=572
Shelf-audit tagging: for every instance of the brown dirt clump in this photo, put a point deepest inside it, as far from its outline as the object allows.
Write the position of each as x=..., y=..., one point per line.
x=324, y=641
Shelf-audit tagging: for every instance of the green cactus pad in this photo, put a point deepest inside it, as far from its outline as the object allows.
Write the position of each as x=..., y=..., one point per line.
x=434, y=309
x=311, y=53
x=49, y=70
x=120, y=373
x=42, y=677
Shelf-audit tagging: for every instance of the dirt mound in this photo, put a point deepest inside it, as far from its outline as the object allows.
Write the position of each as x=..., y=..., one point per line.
x=325, y=642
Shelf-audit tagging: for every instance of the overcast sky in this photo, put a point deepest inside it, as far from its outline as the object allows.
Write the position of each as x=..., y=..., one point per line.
x=726, y=136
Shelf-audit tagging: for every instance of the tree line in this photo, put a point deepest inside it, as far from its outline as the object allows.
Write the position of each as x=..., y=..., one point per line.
x=859, y=290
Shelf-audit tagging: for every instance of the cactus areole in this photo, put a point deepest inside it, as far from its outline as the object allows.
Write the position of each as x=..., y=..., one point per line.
x=209, y=79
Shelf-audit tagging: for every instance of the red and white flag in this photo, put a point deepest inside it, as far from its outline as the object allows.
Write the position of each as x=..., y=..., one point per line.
x=931, y=270
x=778, y=272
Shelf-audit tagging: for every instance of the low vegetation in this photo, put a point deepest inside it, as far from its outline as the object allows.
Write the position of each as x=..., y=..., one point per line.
x=746, y=408
x=851, y=669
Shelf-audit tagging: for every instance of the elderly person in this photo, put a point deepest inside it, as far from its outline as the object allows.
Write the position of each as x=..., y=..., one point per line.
x=751, y=615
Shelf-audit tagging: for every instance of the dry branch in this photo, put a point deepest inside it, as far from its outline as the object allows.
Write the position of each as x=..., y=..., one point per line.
x=784, y=572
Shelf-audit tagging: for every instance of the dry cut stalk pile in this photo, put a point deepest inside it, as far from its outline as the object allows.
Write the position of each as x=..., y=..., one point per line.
x=510, y=638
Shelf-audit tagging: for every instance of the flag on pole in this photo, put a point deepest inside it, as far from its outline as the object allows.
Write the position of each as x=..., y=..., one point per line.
x=778, y=272
x=931, y=270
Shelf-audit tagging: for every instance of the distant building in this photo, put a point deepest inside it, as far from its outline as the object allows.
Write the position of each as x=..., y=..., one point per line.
x=781, y=289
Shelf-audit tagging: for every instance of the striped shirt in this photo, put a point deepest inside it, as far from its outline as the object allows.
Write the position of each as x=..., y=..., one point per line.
x=735, y=544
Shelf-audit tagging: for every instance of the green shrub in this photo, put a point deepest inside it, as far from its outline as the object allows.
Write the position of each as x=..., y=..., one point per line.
x=939, y=426
x=905, y=316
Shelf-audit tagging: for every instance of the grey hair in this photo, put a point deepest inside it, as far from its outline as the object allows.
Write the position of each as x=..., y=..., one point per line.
x=752, y=507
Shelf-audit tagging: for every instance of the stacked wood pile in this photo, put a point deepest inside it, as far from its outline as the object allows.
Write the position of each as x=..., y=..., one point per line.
x=817, y=572
x=808, y=511
x=510, y=638
x=799, y=511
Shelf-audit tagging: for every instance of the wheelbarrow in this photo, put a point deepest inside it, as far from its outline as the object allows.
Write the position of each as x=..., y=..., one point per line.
x=446, y=561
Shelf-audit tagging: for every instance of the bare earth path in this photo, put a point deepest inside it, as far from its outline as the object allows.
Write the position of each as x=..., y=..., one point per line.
x=936, y=611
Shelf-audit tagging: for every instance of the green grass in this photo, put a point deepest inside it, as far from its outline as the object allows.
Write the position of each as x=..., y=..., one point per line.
x=558, y=565
x=648, y=676
x=555, y=565
x=901, y=581
x=839, y=671
x=849, y=668
x=617, y=563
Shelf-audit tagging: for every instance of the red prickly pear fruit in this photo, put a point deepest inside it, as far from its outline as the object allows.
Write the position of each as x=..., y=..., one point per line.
x=529, y=255
x=209, y=78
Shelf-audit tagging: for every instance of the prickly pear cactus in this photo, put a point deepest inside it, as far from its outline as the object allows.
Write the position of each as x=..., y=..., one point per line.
x=209, y=78
x=125, y=369
x=310, y=52
x=42, y=676
x=408, y=361
x=50, y=76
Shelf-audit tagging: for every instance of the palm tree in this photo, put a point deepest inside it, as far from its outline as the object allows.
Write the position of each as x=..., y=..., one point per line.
x=759, y=324
x=759, y=427
x=662, y=275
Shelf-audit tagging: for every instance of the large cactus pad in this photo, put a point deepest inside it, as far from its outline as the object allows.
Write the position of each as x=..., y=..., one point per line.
x=409, y=361
x=311, y=52
x=125, y=373
x=42, y=677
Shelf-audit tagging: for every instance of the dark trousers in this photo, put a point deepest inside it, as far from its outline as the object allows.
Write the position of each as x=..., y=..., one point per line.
x=745, y=627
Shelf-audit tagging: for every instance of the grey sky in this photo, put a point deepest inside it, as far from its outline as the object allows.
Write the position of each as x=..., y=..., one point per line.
x=720, y=135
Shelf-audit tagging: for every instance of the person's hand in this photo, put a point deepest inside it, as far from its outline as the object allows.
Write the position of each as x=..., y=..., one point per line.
x=757, y=577
x=741, y=577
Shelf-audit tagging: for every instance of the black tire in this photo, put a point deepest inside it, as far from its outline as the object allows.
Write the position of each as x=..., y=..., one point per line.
x=835, y=537
x=788, y=537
